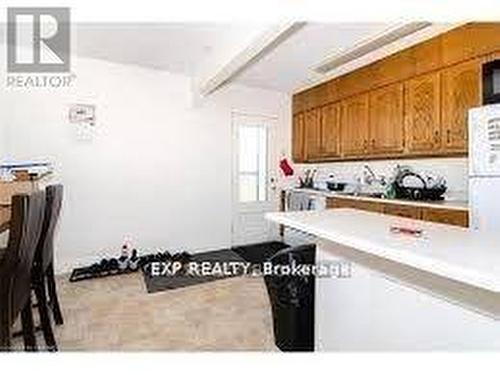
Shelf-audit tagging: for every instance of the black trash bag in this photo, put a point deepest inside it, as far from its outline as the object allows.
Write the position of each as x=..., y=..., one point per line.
x=292, y=300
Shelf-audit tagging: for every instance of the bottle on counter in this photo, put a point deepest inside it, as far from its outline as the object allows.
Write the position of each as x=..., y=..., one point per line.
x=133, y=262
x=124, y=258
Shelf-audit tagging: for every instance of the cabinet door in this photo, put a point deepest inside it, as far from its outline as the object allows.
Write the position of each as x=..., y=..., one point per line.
x=369, y=206
x=354, y=126
x=451, y=217
x=312, y=125
x=460, y=90
x=330, y=130
x=357, y=204
x=470, y=41
x=298, y=103
x=427, y=56
x=394, y=68
x=422, y=109
x=403, y=211
x=340, y=203
x=386, y=120
x=298, y=138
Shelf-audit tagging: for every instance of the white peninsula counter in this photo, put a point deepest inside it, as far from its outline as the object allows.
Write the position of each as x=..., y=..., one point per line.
x=437, y=291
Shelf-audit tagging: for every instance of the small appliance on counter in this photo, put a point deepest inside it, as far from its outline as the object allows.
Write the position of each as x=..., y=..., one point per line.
x=408, y=184
x=333, y=185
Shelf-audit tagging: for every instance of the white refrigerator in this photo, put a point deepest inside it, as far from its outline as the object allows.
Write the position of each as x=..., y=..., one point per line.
x=484, y=168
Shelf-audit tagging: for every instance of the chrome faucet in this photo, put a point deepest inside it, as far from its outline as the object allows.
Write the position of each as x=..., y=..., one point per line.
x=369, y=177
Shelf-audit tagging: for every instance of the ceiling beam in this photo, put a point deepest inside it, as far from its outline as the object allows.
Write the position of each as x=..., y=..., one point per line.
x=369, y=45
x=259, y=47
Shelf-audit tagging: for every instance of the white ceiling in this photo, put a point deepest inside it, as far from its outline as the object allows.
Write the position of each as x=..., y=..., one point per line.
x=200, y=49
x=176, y=47
x=289, y=65
x=191, y=48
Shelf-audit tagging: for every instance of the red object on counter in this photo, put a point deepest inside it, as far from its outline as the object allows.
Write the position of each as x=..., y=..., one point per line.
x=408, y=231
x=286, y=168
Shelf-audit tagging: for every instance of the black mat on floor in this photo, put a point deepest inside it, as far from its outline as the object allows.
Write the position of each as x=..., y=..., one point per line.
x=259, y=253
x=255, y=254
x=160, y=283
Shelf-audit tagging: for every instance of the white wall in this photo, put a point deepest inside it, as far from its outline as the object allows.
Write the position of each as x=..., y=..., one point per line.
x=158, y=170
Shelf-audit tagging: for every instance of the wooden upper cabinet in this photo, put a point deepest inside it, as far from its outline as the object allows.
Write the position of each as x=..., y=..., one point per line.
x=393, y=68
x=298, y=103
x=427, y=89
x=427, y=56
x=422, y=112
x=460, y=92
x=312, y=126
x=354, y=126
x=470, y=41
x=386, y=120
x=298, y=141
x=330, y=130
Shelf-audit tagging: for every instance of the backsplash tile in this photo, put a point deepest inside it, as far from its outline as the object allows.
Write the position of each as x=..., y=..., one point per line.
x=454, y=170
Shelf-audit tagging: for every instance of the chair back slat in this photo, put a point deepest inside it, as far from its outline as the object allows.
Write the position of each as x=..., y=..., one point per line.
x=45, y=248
x=15, y=270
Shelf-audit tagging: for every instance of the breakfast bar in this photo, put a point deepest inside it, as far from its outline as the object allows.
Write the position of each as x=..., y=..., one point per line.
x=412, y=282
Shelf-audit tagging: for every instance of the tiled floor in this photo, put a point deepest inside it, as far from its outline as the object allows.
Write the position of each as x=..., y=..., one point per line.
x=116, y=313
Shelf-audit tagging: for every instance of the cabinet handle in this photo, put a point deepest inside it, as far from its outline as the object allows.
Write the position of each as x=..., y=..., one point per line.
x=436, y=136
x=448, y=136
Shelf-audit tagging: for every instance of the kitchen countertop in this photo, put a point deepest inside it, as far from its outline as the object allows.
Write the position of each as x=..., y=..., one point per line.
x=449, y=204
x=452, y=252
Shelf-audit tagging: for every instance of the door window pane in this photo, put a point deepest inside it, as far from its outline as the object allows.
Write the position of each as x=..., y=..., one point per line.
x=252, y=163
x=249, y=140
x=248, y=188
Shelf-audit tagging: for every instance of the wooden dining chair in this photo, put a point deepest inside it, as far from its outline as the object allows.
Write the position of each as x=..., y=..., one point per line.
x=15, y=268
x=43, y=280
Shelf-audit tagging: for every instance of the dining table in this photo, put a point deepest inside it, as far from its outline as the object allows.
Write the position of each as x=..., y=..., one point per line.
x=4, y=224
x=9, y=189
x=4, y=216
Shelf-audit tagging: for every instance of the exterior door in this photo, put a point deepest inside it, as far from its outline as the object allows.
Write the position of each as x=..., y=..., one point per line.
x=254, y=181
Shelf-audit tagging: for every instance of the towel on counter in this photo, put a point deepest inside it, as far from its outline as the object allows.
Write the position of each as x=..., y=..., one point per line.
x=299, y=201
